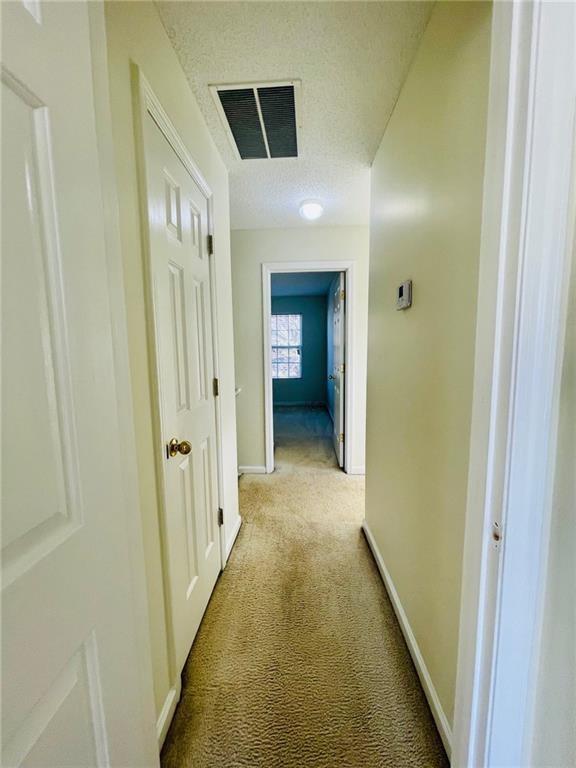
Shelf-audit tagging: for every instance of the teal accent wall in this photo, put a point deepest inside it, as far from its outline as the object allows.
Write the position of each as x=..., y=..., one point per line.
x=311, y=388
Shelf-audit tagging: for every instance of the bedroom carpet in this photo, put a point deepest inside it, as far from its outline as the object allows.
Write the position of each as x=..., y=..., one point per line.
x=300, y=661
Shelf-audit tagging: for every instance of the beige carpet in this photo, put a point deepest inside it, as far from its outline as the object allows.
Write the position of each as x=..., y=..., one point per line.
x=299, y=661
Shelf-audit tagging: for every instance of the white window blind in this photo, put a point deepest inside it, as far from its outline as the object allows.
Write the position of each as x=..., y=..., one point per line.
x=286, y=346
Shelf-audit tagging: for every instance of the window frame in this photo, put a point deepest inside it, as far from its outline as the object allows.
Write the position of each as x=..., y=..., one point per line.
x=275, y=363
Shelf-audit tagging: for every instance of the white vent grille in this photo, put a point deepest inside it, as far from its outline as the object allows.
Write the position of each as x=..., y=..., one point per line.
x=261, y=119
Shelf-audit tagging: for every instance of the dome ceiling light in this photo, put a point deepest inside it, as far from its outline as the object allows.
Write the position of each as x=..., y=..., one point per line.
x=311, y=210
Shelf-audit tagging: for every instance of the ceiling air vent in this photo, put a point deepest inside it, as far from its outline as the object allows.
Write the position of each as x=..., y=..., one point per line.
x=260, y=119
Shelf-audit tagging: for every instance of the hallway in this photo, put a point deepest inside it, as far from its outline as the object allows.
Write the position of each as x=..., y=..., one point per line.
x=299, y=660
x=288, y=317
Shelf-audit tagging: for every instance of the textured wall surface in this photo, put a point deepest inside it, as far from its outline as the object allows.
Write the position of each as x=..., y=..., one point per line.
x=311, y=388
x=352, y=58
x=427, y=183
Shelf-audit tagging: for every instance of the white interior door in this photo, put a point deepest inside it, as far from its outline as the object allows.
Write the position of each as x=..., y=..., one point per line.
x=338, y=368
x=70, y=682
x=178, y=216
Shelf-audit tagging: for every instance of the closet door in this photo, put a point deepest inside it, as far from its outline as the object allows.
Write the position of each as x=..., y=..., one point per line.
x=71, y=694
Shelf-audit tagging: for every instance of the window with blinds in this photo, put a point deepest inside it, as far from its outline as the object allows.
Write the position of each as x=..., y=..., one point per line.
x=286, y=346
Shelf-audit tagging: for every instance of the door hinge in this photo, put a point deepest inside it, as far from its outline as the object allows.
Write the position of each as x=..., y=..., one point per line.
x=342, y=368
x=215, y=387
x=341, y=437
x=220, y=516
x=496, y=534
x=342, y=295
x=210, y=239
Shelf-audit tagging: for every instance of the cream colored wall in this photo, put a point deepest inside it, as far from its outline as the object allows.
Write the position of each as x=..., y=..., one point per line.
x=555, y=721
x=425, y=225
x=250, y=249
x=136, y=34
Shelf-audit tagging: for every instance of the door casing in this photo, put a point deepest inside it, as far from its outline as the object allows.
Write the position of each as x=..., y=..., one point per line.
x=118, y=315
x=527, y=240
x=270, y=268
x=337, y=344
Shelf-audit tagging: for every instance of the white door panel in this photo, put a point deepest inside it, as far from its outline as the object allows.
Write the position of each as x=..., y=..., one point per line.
x=69, y=673
x=338, y=371
x=178, y=217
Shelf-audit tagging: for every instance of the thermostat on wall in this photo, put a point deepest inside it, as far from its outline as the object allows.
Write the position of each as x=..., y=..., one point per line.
x=404, y=295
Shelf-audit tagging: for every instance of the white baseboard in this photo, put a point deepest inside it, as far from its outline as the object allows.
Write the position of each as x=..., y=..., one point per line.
x=359, y=470
x=233, y=535
x=167, y=712
x=439, y=715
x=256, y=470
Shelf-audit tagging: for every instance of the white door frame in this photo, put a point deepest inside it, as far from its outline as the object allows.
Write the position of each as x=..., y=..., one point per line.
x=127, y=447
x=147, y=103
x=270, y=268
x=527, y=239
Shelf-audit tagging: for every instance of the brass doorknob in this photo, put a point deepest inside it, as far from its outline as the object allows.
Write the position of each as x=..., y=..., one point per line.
x=178, y=446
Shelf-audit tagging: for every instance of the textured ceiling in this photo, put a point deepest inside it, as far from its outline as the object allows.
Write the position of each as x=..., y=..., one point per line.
x=352, y=58
x=302, y=283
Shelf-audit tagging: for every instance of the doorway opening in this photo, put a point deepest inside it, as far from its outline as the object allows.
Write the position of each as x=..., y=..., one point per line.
x=307, y=347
